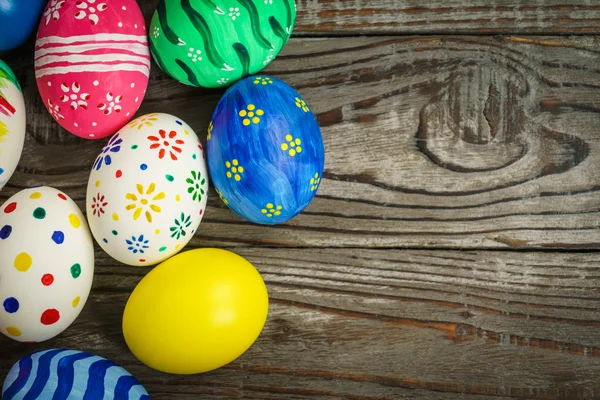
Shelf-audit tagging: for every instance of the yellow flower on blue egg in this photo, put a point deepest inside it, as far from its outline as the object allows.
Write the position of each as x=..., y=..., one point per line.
x=234, y=170
x=293, y=145
x=251, y=115
x=271, y=210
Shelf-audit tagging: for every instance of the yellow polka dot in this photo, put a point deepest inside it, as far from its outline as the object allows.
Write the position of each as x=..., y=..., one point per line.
x=240, y=169
x=23, y=262
x=235, y=162
x=277, y=213
x=234, y=169
x=227, y=164
x=35, y=195
x=251, y=107
x=292, y=144
x=284, y=146
x=157, y=231
x=243, y=113
x=317, y=175
x=263, y=211
x=237, y=177
x=251, y=114
x=178, y=246
x=74, y=221
x=260, y=112
x=13, y=331
x=246, y=122
x=279, y=207
x=97, y=183
x=115, y=217
x=270, y=205
x=228, y=174
x=177, y=198
x=256, y=120
x=299, y=149
x=186, y=132
x=298, y=141
x=292, y=152
x=76, y=301
x=312, y=181
x=288, y=138
x=269, y=215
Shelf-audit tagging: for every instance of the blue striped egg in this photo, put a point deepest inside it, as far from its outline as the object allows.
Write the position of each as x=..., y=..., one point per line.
x=69, y=374
x=265, y=150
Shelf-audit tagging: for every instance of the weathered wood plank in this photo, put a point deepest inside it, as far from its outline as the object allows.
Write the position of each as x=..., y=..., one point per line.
x=383, y=324
x=453, y=142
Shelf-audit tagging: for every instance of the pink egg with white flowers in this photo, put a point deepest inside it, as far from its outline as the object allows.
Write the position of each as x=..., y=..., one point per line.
x=92, y=64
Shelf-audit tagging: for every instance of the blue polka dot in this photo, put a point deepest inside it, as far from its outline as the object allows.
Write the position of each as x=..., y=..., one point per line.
x=5, y=232
x=178, y=122
x=143, y=167
x=58, y=237
x=104, y=240
x=1, y=171
x=11, y=305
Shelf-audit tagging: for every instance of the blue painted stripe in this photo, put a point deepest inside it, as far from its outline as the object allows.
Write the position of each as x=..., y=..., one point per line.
x=25, y=365
x=42, y=375
x=66, y=373
x=95, y=384
x=123, y=386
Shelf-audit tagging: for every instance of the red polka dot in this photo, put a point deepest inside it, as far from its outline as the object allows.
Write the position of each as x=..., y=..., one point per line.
x=10, y=208
x=119, y=173
x=50, y=316
x=62, y=196
x=201, y=212
x=47, y=279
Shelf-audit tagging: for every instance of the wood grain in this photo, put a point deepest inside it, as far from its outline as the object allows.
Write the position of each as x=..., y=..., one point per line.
x=383, y=324
x=437, y=142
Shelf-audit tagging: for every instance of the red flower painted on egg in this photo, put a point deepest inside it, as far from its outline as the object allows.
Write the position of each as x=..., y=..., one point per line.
x=98, y=204
x=165, y=143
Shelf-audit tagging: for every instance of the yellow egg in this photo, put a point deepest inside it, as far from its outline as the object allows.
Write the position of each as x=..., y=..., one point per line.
x=196, y=312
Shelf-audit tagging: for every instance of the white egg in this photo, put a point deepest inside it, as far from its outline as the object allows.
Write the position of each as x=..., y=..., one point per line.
x=148, y=189
x=46, y=264
x=12, y=123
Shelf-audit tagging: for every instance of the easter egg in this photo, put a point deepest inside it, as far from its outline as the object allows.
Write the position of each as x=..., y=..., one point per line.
x=196, y=312
x=148, y=190
x=92, y=64
x=46, y=264
x=12, y=123
x=265, y=151
x=18, y=18
x=211, y=44
x=70, y=374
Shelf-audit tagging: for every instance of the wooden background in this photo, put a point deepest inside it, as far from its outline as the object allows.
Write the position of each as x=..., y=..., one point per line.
x=452, y=250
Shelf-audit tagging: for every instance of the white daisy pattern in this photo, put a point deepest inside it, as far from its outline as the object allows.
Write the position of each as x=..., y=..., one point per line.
x=73, y=95
x=52, y=12
x=112, y=104
x=54, y=110
x=234, y=13
x=89, y=8
x=269, y=2
x=223, y=81
x=156, y=32
x=194, y=54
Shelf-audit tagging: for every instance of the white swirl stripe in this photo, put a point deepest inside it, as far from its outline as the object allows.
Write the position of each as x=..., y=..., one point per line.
x=58, y=55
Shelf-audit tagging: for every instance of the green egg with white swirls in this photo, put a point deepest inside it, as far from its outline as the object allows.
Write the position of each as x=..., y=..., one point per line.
x=214, y=43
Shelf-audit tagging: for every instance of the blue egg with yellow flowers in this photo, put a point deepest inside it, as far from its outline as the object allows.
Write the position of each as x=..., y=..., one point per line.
x=265, y=150
x=18, y=19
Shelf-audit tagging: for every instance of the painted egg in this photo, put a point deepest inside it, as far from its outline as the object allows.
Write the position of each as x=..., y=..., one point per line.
x=265, y=150
x=70, y=374
x=92, y=64
x=202, y=43
x=46, y=264
x=18, y=18
x=196, y=312
x=148, y=190
x=12, y=123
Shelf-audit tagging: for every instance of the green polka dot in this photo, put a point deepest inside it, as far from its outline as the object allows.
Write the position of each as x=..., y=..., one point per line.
x=162, y=249
x=39, y=213
x=169, y=178
x=194, y=156
x=76, y=271
x=135, y=146
x=115, y=233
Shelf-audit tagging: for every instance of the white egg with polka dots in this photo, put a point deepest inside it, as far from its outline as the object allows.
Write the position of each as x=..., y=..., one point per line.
x=46, y=264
